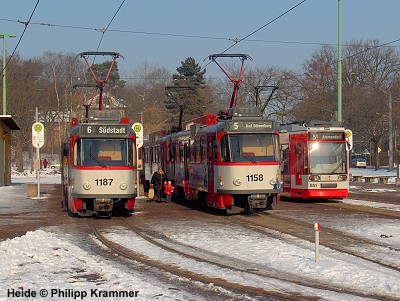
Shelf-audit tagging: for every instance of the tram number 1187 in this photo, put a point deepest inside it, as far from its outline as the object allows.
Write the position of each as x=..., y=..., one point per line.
x=103, y=182
x=255, y=178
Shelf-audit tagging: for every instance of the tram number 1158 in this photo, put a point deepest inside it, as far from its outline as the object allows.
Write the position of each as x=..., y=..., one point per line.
x=255, y=178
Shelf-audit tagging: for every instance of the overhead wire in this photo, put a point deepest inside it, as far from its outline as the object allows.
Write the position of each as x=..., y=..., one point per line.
x=112, y=19
x=185, y=35
x=22, y=35
x=236, y=40
x=258, y=29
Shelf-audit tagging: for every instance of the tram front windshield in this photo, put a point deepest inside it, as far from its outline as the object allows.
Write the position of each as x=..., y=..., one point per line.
x=250, y=148
x=104, y=152
x=327, y=157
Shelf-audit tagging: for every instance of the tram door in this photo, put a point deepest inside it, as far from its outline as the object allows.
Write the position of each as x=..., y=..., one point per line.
x=210, y=169
x=299, y=170
x=186, y=169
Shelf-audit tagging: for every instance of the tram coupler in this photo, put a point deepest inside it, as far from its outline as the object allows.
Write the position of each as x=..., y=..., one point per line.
x=257, y=201
x=103, y=205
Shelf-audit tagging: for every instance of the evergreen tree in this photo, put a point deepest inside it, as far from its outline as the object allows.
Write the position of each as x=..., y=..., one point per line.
x=185, y=93
x=114, y=80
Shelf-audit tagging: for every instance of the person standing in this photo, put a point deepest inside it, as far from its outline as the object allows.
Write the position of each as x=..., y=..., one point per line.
x=168, y=190
x=45, y=163
x=157, y=181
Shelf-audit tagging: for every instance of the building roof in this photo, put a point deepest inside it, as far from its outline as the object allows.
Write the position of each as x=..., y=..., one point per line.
x=10, y=122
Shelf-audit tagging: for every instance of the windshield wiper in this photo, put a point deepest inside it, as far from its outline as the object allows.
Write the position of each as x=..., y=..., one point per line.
x=96, y=160
x=337, y=167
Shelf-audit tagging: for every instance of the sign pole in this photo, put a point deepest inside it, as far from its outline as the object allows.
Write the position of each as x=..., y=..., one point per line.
x=37, y=171
x=37, y=142
x=37, y=159
x=137, y=174
x=138, y=129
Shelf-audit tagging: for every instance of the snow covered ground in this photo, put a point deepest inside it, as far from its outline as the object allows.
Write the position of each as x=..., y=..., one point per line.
x=49, y=261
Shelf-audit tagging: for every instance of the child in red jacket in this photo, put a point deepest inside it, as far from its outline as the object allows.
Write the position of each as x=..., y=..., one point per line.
x=168, y=190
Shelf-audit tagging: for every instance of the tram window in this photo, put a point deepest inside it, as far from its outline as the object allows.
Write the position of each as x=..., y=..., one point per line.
x=329, y=157
x=180, y=151
x=105, y=152
x=198, y=151
x=215, y=147
x=186, y=151
x=252, y=148
x=285, y=155
x=209, y=150
x=225, y=153
x=193, y=152
x=171, y=152
x=77, y=154
x=203, y=150
x=305, y=159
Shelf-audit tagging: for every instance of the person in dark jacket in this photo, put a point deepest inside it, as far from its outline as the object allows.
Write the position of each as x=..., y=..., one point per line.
x=157, y=182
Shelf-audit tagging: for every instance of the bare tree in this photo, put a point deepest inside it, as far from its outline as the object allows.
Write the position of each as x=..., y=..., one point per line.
x=371, y=73
x=23, y=93
x=144, y=96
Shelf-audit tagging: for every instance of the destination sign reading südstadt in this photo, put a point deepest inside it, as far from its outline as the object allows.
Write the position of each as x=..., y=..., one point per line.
x=109, y=129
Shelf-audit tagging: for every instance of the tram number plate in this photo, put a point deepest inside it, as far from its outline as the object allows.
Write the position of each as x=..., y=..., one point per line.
x=255, y=178
x=104, y=182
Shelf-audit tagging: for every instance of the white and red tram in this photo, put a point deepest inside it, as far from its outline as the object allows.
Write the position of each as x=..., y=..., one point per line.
x=315, y=160
x=99, y=165
x=231, y=164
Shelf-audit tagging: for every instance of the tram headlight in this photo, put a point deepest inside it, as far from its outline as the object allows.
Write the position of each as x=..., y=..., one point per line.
x=123, y=186
x=86, y=186
x=272, y=181
x=237, y=182
x=315, y=178
x=342, y=178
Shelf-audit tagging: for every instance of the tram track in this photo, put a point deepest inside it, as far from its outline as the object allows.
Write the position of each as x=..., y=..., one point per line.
x=354, y=207
x=237, y=266
x=234, y=287
x=331, y=238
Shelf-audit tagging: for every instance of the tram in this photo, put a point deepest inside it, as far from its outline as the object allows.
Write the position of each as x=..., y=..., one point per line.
x=99, y=175
x=99, y=166
x=315, y=160
x=230, y=163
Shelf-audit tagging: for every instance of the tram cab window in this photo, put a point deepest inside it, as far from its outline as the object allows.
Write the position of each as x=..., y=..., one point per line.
x=327, y=157
x=105, y=152
x=250, y=148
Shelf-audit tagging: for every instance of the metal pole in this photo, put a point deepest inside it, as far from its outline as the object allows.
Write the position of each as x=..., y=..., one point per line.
x=391, y=163
x=339, y=70
x=3, y=36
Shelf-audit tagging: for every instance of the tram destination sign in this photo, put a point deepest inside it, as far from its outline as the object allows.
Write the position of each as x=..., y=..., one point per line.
x=104, y=130
x=251, y=126
x=335, y=136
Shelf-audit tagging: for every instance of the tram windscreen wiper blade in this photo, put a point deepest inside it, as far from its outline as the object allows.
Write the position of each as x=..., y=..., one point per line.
x=249, y=159
x=337, y=167
x=96, y=161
